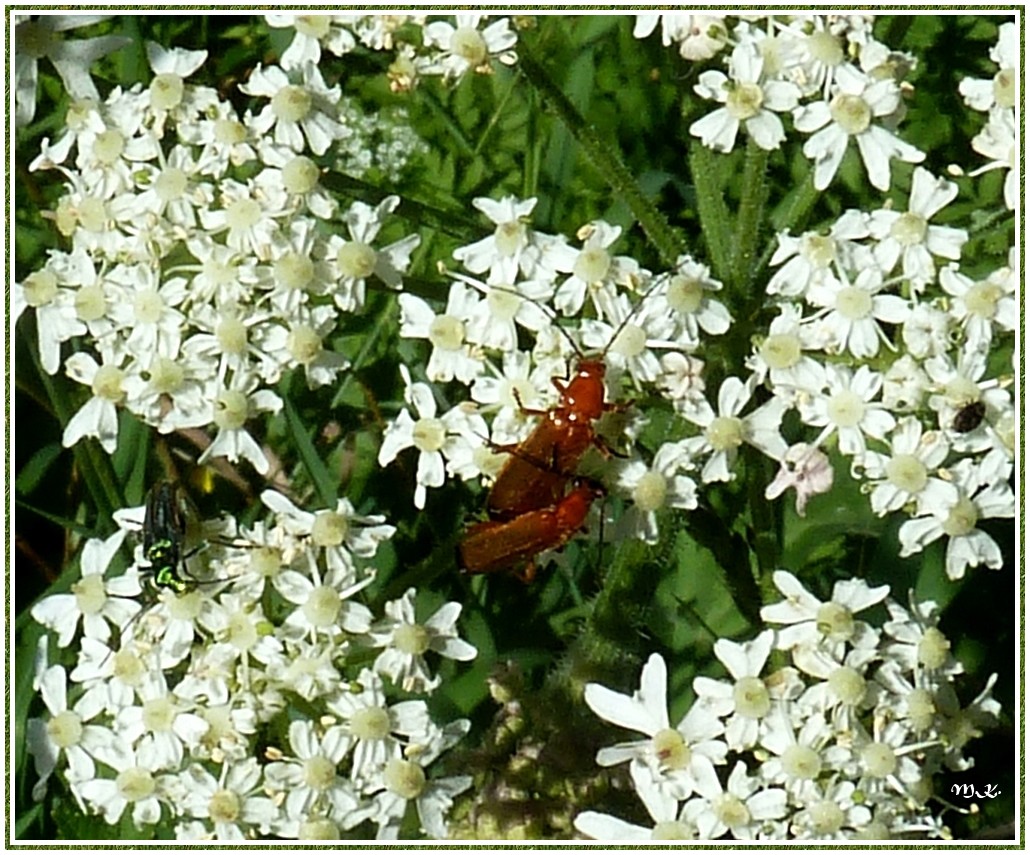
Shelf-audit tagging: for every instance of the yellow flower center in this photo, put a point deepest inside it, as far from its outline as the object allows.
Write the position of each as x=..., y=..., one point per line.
x=851, y=112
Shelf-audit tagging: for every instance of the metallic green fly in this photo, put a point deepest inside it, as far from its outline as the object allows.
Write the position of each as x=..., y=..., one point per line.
x=165, y=526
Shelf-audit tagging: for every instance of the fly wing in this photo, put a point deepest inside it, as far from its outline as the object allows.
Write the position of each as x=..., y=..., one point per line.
x=163, y=518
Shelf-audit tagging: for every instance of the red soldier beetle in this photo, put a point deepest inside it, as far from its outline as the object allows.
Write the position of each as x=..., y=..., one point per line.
x=538, y=469
x=492, y=546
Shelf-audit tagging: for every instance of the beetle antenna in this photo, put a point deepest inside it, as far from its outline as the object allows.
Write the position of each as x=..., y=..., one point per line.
x=553, y=319
x=634, y=311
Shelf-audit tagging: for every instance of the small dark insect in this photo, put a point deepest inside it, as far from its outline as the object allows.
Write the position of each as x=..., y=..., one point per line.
x=164, y=537
x=165, y=530
x=969, y=417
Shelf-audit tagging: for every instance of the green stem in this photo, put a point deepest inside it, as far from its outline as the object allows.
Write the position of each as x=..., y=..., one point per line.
x=611, y=642
x=613, y=603
x=754, y=193
x=325, y=484
x=711, y=209
x=798, y=203
x=531, y=163
x=989, y=222
x=371, y=339
x=607, y=161
x=501, y=110
x=794, y=210
x=766, y=522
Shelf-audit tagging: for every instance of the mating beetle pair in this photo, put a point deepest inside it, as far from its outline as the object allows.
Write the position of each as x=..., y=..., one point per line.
x=530, y=510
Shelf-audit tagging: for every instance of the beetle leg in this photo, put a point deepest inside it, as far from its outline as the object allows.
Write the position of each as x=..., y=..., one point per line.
x=527, y=574
x=606, y=450
x=514, y=449
x=526, y=411
x=618, y=406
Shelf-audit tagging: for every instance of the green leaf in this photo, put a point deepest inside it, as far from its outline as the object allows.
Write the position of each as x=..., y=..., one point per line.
x=37, y=467
x=24, y=695
x=923, y=31
x=320, y=476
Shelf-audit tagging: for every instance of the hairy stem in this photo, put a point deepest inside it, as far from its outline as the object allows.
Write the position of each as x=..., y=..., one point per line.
x=711, y=209
x=754, y=193
x=606, y=159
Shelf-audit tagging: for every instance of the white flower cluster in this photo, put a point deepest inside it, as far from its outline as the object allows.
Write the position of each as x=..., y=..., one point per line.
x=827, y=71
x=35, y=39
x=881, y=344
x=931, y=434
x=884, y=347
x=206, y=261
x=997, y=97
x=246, y=706
x=843, y=744
x=837, y=82
x=381, y=145
x=196, y=287
x=450, y=48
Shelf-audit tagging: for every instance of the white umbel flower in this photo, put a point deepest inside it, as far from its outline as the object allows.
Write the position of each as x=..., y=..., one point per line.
x=749, y=100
